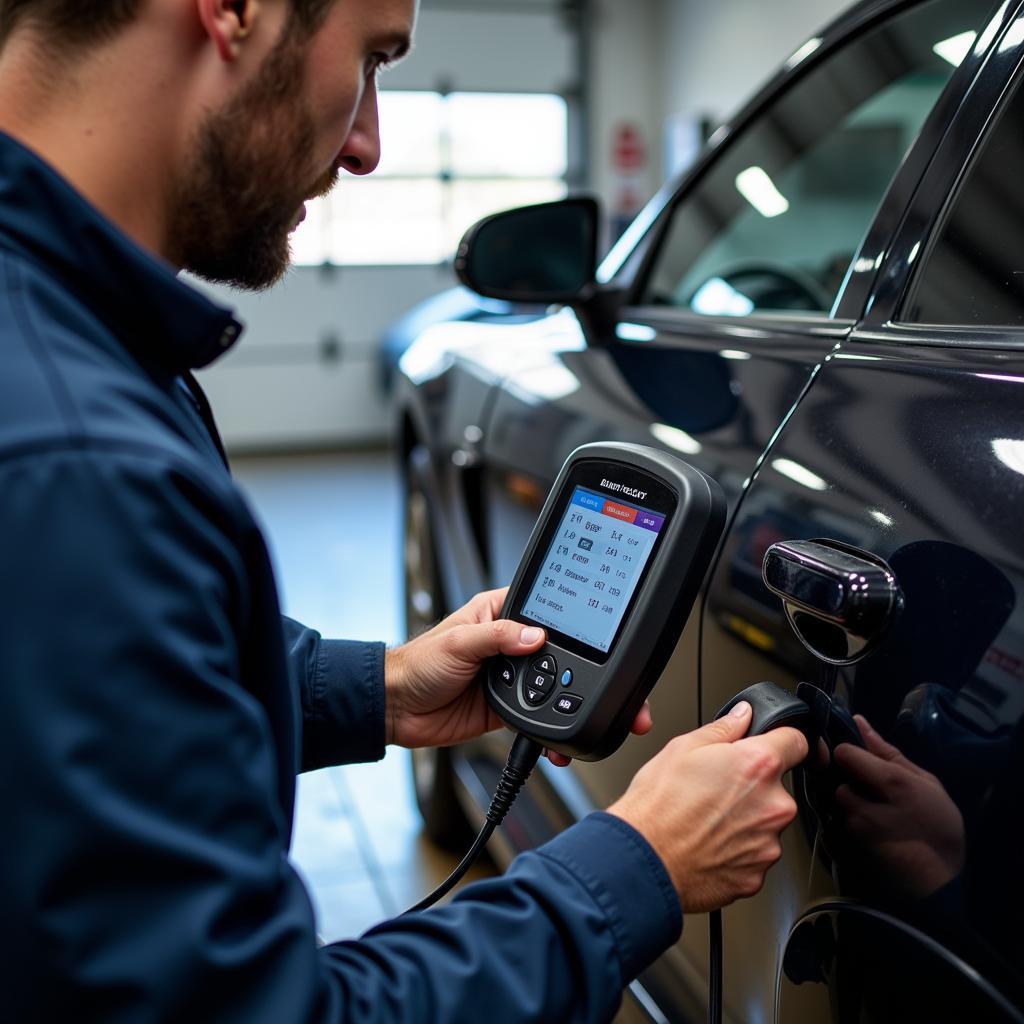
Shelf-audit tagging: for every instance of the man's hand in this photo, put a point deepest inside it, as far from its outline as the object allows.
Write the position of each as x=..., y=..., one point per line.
x=899, y=815
x=712, y=805
x=433, y=699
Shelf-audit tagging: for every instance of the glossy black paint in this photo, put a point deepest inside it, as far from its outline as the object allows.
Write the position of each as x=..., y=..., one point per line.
x=935, y=851
x=538, y=254
x=897, y=897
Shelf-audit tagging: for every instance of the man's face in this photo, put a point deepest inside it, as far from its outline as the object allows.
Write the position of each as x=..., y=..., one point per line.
x=308, y=112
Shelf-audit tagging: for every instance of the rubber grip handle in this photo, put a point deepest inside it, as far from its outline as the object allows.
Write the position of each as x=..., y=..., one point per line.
x=773, y=708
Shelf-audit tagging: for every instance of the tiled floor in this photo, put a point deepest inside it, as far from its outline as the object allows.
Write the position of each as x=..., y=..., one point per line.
x=333, y=522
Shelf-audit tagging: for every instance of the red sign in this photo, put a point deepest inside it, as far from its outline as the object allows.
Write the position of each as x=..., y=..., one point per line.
x=628, y=150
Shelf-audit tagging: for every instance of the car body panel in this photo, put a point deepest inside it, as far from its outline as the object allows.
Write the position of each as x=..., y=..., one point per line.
x=848, y=427
x=902, y=460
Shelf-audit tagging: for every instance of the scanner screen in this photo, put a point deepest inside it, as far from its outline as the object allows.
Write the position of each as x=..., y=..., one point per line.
x=593, y=566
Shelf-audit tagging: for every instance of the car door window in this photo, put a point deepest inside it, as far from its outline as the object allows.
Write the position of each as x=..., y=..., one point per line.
x=774, y=225
x=973, y=274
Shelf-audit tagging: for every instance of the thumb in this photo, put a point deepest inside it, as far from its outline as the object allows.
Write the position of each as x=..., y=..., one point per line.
x=483, y=640
x=728, y=729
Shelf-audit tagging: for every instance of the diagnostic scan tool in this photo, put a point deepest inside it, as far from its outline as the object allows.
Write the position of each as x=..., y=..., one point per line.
x=610, y=572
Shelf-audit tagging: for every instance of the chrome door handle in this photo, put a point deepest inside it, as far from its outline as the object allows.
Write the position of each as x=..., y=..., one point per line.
x=839, y=600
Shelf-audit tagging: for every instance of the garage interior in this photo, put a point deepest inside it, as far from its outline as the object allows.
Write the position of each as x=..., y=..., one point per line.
x=700, y=325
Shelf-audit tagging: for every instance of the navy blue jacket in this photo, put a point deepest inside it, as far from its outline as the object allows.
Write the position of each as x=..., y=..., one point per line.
x=155, y=707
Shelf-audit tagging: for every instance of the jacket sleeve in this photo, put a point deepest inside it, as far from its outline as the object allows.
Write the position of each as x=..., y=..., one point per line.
x=341, y=690
x=557, y=938
x=148, y=880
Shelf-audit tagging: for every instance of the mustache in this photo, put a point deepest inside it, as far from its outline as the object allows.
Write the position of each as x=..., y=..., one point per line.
x=324, y=184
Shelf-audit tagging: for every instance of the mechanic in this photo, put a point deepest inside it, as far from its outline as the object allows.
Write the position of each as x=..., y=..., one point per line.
x=155, y=705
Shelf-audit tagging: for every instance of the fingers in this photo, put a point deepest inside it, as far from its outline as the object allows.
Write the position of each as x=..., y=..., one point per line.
x=884, y=749
x=874, y=741
x=473, y=642
x=855, y=813
x=491, y=603
x=787, y=744
x=864, y=767
x=723, y=730
x=850, y=803
x=642, y=724
x=484, y=607
x=644, y=721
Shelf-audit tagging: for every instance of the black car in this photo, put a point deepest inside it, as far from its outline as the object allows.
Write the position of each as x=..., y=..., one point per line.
x=827, y=316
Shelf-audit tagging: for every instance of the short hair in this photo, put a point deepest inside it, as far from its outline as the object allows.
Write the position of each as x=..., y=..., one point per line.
x=79, y=23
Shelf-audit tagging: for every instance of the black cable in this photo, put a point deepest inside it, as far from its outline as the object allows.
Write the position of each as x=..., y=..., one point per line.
x=521, y=760
x=715, y=967
x=456, y=876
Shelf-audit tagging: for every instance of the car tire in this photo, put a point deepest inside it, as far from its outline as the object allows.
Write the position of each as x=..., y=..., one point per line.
x=433, y=775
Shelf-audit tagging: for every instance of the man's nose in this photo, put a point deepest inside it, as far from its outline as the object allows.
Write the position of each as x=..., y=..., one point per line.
x=361, y=152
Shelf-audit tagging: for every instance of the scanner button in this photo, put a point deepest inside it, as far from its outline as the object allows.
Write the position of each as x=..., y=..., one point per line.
x=506, y=671
x=568, y=704
x=546, y=665
x=535, y=697
x=567, y=677
x=540, y=681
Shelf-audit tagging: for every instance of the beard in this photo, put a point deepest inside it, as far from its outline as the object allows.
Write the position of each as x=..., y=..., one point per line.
x=235, y=203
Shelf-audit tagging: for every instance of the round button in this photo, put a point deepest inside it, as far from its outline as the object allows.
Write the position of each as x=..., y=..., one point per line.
x=567, y=677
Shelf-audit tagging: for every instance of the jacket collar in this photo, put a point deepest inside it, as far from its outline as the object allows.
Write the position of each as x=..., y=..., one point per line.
x=154, y=314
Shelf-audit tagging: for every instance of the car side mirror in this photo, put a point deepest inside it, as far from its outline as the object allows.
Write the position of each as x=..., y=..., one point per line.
x=536, y=254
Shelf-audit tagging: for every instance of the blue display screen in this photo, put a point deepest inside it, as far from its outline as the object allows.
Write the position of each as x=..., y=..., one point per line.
x=592, y=567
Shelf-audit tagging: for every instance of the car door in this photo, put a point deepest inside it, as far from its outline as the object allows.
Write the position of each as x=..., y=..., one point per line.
x=899, y=891
x=731, y=301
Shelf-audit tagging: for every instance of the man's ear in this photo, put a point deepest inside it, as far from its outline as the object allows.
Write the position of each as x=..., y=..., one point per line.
x=228, y=23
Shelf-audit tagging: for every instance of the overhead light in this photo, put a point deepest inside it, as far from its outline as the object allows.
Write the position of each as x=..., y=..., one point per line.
x=636, y=332
x=804, y=52
x=799, y=474
x=735, y=355
x=1010, y=453
x=676, y=438
x=1014, y=36
x=759, y=190
x=881, y=517
x=955, y=48
x=995, y=22
x=718, y=298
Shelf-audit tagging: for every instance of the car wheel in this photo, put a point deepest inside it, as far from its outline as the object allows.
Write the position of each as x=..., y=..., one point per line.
x=433, y=775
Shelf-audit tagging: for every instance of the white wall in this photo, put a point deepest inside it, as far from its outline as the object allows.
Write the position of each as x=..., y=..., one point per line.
x=496, y=46
x=280, y=386
x=626, y=85
x=716, y=54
